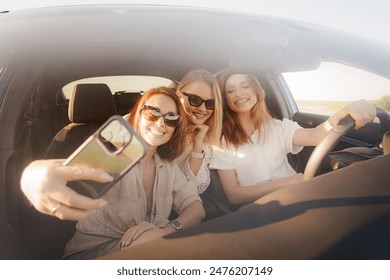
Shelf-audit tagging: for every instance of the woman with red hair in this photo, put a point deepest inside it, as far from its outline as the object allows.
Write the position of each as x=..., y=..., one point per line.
x=253, y=160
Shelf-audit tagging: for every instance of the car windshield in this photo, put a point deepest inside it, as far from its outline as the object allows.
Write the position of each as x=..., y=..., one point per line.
x=331, y=86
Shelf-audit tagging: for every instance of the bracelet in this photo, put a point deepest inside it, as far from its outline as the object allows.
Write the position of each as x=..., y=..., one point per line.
x=330, y=122
x=198, y=155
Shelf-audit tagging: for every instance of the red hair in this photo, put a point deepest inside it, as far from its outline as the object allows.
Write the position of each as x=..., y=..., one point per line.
x=176, y=145
x=232, y=129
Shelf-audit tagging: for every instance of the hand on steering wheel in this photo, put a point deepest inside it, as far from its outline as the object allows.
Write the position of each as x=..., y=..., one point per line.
x=327, y=145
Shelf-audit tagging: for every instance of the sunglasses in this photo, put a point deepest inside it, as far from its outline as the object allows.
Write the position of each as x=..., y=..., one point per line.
x=152, y=114
x=197, y=101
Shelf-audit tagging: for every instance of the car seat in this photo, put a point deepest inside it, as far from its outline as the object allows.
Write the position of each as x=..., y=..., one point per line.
x=90, y=105
x=214, y=199
x=125, y=101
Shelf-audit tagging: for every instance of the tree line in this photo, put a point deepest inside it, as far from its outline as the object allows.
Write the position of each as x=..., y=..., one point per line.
x=383, y=102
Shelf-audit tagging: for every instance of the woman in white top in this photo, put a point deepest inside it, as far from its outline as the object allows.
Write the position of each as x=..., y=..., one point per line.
x=200, y=96
x=253, y=159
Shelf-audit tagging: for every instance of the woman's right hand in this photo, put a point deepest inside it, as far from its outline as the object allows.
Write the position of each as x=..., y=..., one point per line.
x=44, y=184
x=361, y=111
x=133, y=233
x=199, y=132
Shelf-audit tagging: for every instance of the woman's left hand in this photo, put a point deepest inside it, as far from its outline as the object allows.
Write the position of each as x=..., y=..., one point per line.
x=135, y=232
x=361, y=111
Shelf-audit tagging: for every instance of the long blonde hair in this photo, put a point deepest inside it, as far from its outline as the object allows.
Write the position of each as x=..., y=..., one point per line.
x=215, y=121
x=232, y=130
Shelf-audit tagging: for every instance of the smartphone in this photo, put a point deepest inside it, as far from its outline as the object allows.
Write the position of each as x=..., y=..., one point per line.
x=115, y=147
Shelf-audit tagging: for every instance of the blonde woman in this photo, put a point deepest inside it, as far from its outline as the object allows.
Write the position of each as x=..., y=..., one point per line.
x=200, y=96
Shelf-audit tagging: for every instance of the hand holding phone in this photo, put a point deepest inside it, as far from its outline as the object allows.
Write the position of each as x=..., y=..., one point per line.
x=115, y=148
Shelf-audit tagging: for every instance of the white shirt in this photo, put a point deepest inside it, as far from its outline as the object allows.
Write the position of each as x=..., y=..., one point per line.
x=263, y=159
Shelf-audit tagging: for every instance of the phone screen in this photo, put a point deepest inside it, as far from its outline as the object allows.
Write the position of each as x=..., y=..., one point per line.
x=115, y=148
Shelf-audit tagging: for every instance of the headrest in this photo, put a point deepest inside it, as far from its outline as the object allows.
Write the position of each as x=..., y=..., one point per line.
x=91, y=103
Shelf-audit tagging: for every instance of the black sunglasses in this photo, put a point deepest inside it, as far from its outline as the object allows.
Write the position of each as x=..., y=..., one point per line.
x=152, y=114
x=197, y=101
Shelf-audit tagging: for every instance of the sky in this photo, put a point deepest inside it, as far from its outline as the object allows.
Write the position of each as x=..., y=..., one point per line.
x=367, y=18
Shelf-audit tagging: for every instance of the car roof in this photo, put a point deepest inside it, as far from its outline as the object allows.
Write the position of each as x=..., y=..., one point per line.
x=170, y=41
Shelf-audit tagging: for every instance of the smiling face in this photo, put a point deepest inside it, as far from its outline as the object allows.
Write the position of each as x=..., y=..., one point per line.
x=240, y=93
x=157, y=133
x=197, y=115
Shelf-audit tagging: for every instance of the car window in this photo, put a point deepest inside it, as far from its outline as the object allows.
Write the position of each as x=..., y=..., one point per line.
x=121, y=84
x=331, y=86
x=3, y=82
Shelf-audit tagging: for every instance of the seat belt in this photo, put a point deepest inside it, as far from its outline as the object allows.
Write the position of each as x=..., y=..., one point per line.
x=30, y=119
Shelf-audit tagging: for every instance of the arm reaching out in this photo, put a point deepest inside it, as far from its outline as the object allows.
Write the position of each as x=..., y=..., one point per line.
x=361, y=111
x=246, y=194
x=44, y=184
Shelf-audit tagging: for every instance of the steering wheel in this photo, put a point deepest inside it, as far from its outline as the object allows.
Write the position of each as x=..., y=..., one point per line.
x=326, y=146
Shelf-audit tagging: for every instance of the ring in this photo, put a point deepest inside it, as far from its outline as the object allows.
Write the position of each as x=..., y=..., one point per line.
x=54, y=209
